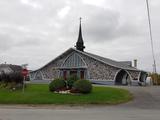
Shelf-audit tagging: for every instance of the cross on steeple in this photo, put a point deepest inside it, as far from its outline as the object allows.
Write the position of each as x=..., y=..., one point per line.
x=80, y=45
x=80, y=19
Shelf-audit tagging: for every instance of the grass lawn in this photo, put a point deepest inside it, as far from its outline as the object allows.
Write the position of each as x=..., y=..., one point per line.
x=39, y=94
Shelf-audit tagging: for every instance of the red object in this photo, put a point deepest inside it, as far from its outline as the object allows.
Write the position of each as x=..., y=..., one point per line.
x=82, y=74
x=24, y=72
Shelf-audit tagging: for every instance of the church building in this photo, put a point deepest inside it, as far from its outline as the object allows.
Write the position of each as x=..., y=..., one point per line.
x=97, y=69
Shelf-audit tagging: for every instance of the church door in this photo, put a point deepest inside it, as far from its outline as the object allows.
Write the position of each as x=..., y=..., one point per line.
x=65, y=75
x=82, y=74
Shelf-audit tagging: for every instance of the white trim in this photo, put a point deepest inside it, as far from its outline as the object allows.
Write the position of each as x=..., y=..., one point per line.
x=66, y=59
x=139, y=76
x=82, y=67
x=129, y=75
x=73, y=61
x=40, y=73
x=126, y=72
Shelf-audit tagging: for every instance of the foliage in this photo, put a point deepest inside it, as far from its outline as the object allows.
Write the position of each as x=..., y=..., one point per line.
x=71, y=80
x=57, y=84
x=83, y=86
x=11, y=80
x=16, y=77
x=38, y=94
x=156, y=78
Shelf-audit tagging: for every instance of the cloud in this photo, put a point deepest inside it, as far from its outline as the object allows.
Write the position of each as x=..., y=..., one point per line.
x=36, y=31
x=5, y=42
x=63, y=12
x=99, y=24
x=32, y=4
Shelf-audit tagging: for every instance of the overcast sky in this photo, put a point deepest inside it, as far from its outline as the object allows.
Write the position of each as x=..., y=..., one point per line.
x=37, y=31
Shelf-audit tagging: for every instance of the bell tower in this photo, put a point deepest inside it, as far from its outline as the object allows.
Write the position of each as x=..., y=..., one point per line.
x=80, y=44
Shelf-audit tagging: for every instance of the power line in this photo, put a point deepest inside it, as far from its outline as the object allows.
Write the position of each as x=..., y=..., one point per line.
x=151, y=37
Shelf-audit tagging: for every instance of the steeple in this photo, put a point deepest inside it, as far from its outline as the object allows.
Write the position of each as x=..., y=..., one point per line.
x=79, y=44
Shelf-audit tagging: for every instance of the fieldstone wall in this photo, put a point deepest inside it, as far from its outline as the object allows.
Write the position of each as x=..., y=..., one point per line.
x=98, y=70
x=50, y=71
x=134, y=74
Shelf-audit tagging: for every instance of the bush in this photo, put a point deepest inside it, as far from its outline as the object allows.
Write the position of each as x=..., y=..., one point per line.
x=16, y=77
x=4, y=77
x=156, y=78
x=57, y=84
x=83, y=86
x=11, y=80
x=0, y=77
x=71, y=80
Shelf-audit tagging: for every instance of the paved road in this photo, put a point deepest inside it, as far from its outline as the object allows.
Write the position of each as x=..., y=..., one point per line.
x=145, y=106
x=97, y=113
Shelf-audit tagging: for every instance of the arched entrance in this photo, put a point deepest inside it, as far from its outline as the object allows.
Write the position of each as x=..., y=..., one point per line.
x=122, y=78
x=38, y=76
x=74, y=65
x=142, y=78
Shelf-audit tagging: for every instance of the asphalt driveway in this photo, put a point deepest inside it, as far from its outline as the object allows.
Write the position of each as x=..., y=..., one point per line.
x=144, y=97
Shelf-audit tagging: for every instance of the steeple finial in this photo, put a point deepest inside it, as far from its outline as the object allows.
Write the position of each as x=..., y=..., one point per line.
x=80, y=19
x=80, y=45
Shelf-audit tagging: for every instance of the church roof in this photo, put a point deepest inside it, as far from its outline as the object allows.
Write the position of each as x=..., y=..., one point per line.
x=104, y=60
x=109, y=61
x=7, y=68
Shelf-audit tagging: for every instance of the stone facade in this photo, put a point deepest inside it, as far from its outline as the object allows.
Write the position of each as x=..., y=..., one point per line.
x=95, y=69
x=134, y=74
x=87, y=66
x=98, y=70
x=50, y=71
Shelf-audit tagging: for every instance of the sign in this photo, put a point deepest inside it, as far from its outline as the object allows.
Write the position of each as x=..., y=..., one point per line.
x=25, y=72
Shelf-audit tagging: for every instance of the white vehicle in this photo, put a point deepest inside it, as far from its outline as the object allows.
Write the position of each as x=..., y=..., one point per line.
x=149, y=81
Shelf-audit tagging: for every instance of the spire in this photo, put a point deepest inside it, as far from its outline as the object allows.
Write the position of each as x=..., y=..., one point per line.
x=79, y=44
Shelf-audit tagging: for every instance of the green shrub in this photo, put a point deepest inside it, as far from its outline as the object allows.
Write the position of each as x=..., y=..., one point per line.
x=57, y=84
x=83, y=86
x=156, y=78
x=11, y=80
x=71, y=80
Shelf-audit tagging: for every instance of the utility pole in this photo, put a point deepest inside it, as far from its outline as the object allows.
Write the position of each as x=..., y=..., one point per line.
x=152, y=46
x=151, y=37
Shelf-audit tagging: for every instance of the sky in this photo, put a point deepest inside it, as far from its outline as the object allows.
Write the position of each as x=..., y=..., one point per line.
x=34, y=32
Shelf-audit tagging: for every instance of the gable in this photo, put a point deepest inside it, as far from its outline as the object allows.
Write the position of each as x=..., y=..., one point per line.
x=60, y=57
x=73, y=60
